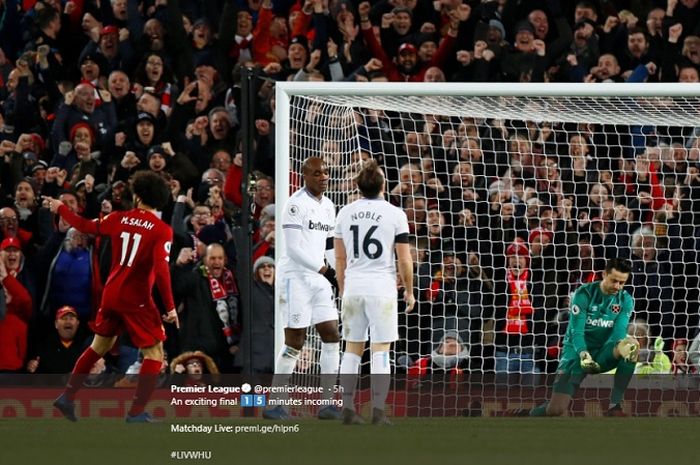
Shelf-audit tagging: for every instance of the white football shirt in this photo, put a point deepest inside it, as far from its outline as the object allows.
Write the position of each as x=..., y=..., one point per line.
x=315, y=221
x=370, y=228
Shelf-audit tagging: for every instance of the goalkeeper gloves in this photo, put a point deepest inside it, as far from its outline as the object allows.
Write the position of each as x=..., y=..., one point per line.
x=629, y=349
x=329, y=274
x=588, y=364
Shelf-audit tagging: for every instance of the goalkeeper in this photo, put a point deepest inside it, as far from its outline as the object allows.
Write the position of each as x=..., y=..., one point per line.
x=596, y=341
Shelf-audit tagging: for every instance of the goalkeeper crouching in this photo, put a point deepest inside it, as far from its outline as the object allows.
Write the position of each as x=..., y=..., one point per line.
x=596, y=341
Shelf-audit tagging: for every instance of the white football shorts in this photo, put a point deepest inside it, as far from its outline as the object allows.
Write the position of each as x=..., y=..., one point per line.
x=376, y=314
x=306, y=300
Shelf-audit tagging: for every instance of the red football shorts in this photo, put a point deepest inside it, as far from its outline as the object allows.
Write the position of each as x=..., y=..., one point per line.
x=143, y=325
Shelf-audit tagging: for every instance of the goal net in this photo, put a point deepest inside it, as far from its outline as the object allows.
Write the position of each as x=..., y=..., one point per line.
x=517, y=195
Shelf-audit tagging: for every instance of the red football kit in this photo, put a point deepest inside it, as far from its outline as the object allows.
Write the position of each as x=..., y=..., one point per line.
x=140, y=255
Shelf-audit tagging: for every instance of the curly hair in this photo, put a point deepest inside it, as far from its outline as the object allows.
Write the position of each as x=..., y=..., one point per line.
x=151, y=188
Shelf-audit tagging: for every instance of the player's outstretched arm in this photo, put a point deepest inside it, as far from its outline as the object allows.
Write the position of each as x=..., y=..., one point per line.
x=78, y=222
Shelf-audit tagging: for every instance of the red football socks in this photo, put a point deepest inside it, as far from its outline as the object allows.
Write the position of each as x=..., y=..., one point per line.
x=80, y=371
x=148, y=377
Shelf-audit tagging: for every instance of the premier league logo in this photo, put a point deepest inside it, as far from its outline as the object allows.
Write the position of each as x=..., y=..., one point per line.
x=615, y=309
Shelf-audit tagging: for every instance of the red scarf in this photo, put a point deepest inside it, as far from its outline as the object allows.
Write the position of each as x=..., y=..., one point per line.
x=221, y=290
x=519, y=306
x=223, y=287
x=164, y=90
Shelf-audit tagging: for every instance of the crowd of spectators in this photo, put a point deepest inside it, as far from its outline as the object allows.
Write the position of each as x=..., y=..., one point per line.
x=508, y=217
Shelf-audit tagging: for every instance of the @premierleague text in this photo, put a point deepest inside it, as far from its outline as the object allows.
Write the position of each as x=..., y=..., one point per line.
x=291, y=395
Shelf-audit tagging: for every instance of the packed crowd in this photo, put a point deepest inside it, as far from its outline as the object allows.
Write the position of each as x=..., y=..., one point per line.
x=94, y=91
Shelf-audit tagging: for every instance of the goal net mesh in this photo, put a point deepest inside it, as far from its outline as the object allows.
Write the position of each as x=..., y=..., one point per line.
x=513, y=203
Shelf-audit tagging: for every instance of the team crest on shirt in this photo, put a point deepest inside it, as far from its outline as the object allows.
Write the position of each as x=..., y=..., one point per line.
x=615, y=308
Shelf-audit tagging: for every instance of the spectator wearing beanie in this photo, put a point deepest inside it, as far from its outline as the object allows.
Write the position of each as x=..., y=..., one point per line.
x=262, y=319
x=133, y=156
x=82, y=139
x=175, y=163
x=398, y=30
x=297, y=59
x=26, y=198
x=93, y=68
x=157, y=159
x=266, y=245
x=526, y=60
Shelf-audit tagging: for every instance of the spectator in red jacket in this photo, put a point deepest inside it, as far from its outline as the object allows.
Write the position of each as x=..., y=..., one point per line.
x=14, y=327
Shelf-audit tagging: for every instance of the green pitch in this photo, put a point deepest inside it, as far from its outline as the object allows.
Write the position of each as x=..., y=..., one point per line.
x=521, y=441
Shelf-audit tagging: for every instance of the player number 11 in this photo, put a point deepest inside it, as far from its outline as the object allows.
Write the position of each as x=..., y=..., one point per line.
x=126, y=239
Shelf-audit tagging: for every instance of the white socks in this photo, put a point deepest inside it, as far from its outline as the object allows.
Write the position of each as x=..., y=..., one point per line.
x=329, y=361
x=381, y=379
x=348, y=378
x=286, y=361
x=284, y=367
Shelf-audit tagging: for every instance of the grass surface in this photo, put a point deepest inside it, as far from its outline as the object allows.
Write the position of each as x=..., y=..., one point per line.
x=521, y=441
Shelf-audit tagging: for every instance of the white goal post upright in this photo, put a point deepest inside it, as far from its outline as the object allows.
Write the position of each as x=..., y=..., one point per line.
x=605, y=104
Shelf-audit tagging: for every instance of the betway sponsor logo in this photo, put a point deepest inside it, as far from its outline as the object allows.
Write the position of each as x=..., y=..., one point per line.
x=599, y=322
x=319, y=226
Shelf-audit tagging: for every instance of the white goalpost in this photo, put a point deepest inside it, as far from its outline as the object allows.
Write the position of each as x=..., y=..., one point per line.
x=564, y=176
